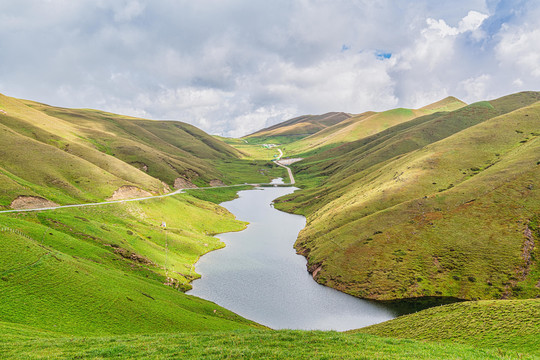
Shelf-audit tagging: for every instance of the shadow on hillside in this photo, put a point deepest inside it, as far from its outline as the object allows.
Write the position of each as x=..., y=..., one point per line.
x=412, y=305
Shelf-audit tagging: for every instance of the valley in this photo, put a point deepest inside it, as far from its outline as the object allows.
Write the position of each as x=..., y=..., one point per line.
x=103, y=218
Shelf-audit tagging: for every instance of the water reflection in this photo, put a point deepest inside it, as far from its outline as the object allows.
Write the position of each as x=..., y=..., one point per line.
x=258, y=274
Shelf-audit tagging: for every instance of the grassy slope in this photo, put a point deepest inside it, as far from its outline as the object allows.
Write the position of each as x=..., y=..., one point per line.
x=23, y=342
x=102, y=270
x=168, y=148
x=37, y=158
x=73, y=155
x=111, y=268
x=111, y=260
x=218, y=195
x=448, y=219
x=364, y=125
x=297, y=128
x=509, y=324
x=355, y=156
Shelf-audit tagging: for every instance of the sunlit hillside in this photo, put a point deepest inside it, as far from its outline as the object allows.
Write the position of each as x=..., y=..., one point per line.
x=71, y=155
x=444, y=205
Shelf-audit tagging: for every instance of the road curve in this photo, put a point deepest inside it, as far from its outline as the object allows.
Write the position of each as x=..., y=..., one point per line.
x=277, y=162
x=291, y=177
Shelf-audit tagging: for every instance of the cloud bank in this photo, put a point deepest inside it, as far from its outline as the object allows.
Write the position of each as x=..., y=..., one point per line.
x=232, y=67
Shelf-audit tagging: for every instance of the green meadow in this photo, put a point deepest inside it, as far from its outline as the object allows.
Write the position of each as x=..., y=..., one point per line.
x=238, y=344
x=112, y=269
x=438, y=203
x=508, y=324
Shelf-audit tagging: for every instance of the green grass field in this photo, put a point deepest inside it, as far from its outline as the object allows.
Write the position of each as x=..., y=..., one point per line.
x=24, y=343
x=508, y=324
x=470, y=330
x=105, y=269
x=439, y=202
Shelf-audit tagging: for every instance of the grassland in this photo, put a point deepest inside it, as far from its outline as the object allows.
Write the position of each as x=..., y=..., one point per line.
x=471, y=330
x=81, y=155
x=112, y=269
x=508, y=324
x=251, y=150
x=24, y=343
x=444, y=205
x=218, y=195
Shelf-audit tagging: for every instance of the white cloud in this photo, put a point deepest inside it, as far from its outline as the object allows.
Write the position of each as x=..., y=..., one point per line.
x=127, y=11
x=231, y=67
x=476, y=88
x=440, y=28
x=520, y=46
x=472, y=21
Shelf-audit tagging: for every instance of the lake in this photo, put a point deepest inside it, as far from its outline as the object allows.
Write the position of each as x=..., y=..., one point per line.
x=259, y=276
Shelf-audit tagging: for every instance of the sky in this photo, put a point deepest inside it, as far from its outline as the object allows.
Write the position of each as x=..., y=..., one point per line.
x=231, y=67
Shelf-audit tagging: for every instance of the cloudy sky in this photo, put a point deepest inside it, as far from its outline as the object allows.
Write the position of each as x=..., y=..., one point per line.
x=232, y=67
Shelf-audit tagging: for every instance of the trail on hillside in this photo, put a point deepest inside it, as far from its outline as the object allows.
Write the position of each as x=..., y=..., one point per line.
x=178, y=191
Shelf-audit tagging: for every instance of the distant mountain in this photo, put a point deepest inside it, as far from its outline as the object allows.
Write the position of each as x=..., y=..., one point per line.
x=313, y=133
x=298, y=127
x=366, y=124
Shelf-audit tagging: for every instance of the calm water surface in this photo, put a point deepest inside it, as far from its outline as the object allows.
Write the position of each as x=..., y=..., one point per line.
x=259, y=276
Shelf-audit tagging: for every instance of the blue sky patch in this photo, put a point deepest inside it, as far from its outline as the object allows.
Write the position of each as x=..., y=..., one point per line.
x=381, y=55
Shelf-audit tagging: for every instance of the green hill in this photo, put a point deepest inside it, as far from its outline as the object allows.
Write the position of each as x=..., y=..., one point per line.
x=71, y=156
x=112, y=269
x=509, y=324
x=445, y=205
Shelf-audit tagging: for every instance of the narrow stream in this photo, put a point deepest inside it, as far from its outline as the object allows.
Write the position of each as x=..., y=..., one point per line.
x=259, y=276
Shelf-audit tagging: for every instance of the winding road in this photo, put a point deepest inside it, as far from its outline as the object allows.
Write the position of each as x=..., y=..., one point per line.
x=291, y=177
x=178, y=191
x=285, y=162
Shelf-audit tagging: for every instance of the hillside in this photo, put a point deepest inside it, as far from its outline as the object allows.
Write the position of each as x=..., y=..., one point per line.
x=112, y=269
x=296, y=128
x=74, y=155
x=445, y=205
x=365, y=124
x=510, y=324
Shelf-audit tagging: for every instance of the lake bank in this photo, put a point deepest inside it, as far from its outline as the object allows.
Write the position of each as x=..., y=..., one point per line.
x=258, y=274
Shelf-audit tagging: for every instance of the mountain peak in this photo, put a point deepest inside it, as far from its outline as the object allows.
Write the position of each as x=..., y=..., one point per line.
x=449, y=103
